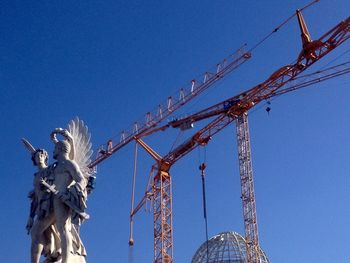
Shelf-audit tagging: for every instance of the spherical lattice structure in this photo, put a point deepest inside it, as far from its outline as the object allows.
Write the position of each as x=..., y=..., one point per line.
x=226, y=247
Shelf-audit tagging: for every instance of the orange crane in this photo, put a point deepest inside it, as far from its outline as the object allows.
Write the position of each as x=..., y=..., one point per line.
x=226, y=112
x=159, y=189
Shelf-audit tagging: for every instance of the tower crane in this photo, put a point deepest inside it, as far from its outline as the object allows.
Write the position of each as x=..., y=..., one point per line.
x=234, y=109
x=226, y=112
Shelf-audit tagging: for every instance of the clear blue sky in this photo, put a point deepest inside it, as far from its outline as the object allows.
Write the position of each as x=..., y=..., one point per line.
x=109, y=62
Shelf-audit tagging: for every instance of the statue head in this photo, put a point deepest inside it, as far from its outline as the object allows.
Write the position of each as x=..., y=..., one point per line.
x=40, y=157
x=61, y=148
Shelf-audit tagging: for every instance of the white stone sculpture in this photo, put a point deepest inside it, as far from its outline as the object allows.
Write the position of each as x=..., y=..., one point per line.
x=66, y=182
x=45, y=238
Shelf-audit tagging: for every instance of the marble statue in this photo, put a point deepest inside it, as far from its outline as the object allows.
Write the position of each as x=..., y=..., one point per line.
x=59, y=196
x=45, y=239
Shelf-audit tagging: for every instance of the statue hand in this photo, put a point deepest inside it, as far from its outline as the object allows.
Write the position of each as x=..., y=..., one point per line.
x=65, y=133
x=29, y=225
x=58, y=130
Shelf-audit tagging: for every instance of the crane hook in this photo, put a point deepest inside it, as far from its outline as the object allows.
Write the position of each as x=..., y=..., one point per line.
x=268, y=109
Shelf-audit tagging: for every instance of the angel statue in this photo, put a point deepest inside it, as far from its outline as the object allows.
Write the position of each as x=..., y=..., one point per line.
x=67, y=181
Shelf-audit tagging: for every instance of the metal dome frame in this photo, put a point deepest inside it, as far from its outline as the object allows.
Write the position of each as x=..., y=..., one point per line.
x=225, y=247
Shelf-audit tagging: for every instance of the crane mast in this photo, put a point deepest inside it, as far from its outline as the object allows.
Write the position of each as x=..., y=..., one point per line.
x=162, y=217
x=235, y=108
x=162, y=206
x=162, y=213
x=247, y=189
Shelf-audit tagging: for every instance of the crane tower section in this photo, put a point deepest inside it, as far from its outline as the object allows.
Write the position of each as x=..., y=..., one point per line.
x=162, y=206
x=162, y=216
x=247, y=189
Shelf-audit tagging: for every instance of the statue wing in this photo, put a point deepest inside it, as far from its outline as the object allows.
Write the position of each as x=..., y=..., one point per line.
x=81, y=150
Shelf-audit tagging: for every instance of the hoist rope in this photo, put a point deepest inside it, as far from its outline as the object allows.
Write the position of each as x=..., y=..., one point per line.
x=131, y=254
x=179, y=134
x=335, y=59
x=202, y=167
x=131, y=240
x=281, y=25
x=205, y=214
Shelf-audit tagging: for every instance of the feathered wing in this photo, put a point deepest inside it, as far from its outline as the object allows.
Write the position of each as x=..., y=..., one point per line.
x=82, y=151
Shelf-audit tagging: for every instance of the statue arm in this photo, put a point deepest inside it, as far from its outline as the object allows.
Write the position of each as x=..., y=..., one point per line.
x=61, y=131
x=33, y=199
x=33, y=203
x=77, y=176
x=33, y=207
x=53, y=136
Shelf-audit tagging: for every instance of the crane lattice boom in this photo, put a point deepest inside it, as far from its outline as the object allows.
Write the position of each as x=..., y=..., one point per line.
x=163, y=111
